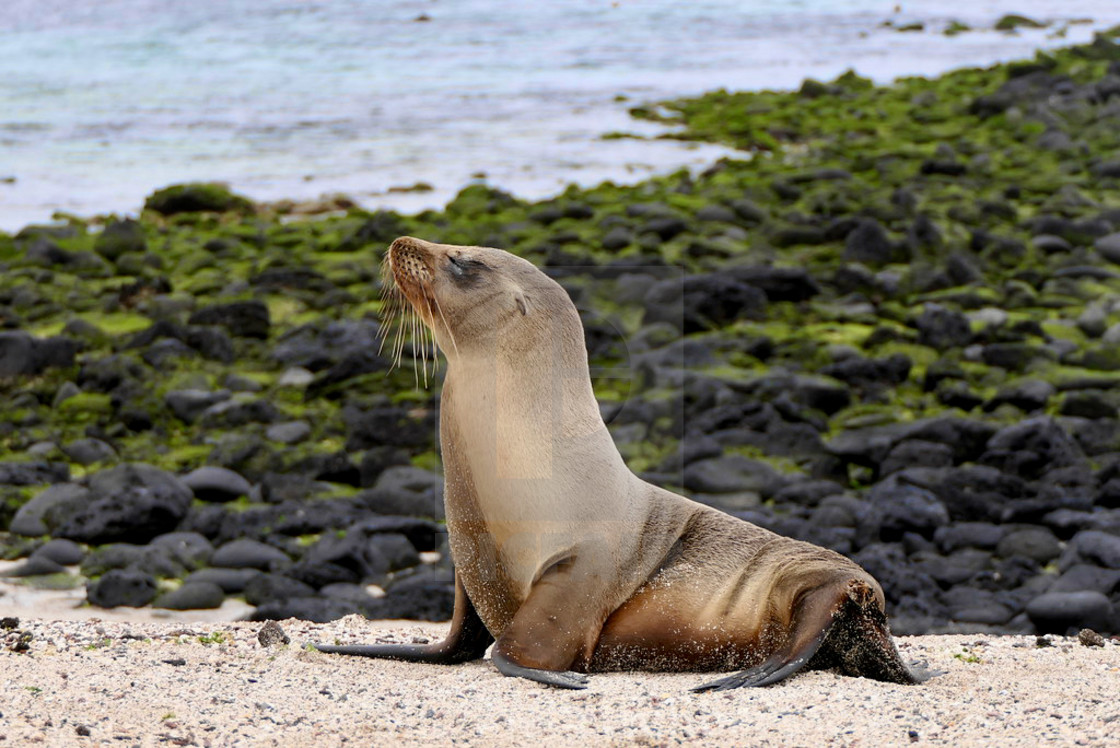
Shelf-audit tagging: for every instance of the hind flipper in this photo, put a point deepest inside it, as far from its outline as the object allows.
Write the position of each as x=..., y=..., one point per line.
x=773, y=670
x=811, y=622
x=921, y=671
x=467, y=640
x=859, y=641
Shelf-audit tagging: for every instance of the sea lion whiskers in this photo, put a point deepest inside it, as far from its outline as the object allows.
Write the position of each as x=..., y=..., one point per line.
x=393, y=310
x=451, y=333
x=399, y=313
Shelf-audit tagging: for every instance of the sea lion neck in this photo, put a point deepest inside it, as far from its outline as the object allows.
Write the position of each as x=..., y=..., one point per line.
x=546, y=384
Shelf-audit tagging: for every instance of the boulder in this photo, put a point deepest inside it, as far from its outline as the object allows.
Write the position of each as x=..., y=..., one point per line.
x=34, y=566
x=316, y=347
x=64, y=552
x=903, y=507
x=49, y=509
x=216, y=484
x=128, y=587
x=1032, y=447
x=288, y=432
x=942, y=328
x=195, y=198
x=778, y=283
x=1088, y=578
x=1036, y=543
x=189, y=549
x=406, y=490
x=314, y=609
x=388, y=426
x=1092, y=547
x=982, y=535
x=89, y=451
x=265, y=588
x=1064, y=612
x=130, y=503
x=1108, y=247
x=188, y=405
x=243, y=319
x=17, y=354
x=246, y=553
x=33, y=473
x=868, y=243
x=231, y=581
x=119, y=238
x=192, y=596
x=616, y=238
x=732, y=474
x=428, y=596
x=1028, y=395
x=702, y=302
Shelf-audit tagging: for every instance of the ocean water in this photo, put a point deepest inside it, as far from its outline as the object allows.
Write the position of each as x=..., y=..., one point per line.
x=103, y=102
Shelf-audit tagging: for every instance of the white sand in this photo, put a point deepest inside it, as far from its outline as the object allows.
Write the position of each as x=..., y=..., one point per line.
x=94, y=677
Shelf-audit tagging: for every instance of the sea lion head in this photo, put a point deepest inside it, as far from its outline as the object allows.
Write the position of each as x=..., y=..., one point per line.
x=475, y=300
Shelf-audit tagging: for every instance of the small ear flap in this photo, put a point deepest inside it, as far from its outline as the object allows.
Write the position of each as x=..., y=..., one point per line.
x=522, y=307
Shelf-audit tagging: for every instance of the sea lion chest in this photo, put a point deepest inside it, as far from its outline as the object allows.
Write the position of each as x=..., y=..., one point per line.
x=524, y=492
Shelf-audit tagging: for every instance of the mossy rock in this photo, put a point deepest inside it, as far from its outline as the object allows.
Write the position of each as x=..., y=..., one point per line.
x=1012, y=21
x=479, y=199
x=956, y=27
x=120, y=238
x=197, y=197
x=86, y=402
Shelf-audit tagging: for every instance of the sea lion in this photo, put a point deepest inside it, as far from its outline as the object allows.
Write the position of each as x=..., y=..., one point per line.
x=564, y=559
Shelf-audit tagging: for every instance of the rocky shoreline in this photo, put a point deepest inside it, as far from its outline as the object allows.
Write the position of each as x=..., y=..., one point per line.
x=892, y=328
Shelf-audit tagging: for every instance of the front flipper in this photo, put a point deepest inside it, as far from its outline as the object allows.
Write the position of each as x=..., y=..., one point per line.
x=467, y=640
x=557, y=627
x=558, y=678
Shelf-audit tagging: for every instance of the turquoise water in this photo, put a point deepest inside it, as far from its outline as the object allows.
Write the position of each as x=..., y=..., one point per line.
x=101, y=103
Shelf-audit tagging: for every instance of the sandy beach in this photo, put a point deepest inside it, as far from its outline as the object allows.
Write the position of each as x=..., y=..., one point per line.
x=100, y=682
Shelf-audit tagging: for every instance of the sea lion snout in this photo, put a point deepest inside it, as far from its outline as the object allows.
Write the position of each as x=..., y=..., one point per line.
x=410, y=260
x=410, y=264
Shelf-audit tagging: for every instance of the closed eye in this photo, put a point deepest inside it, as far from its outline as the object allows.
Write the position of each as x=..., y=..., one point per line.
x=461, y=267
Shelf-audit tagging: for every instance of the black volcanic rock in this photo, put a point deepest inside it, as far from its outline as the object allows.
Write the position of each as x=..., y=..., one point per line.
x=192, y=596
x=243, y=319
x=701, y=302
x=1063, y=612
x=869, y=244
x=246, y=553
x=130, y=503
x=127, y=587
x=33, y=474
x=216, y=484
x=22, y=354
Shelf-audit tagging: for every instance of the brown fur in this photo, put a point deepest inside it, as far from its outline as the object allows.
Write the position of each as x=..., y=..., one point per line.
x=564, y=556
